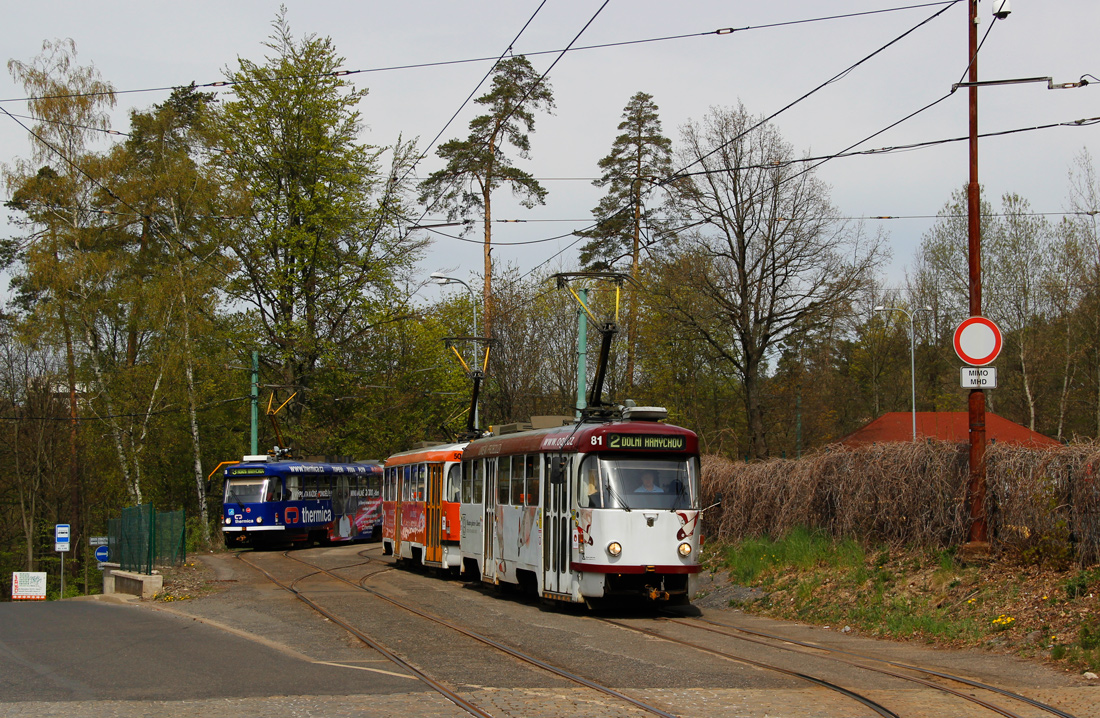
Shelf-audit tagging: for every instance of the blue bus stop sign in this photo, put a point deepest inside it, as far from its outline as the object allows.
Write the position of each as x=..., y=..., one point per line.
x=102, y=553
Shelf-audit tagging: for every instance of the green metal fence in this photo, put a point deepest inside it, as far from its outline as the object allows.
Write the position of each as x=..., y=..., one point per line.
x=142, y=538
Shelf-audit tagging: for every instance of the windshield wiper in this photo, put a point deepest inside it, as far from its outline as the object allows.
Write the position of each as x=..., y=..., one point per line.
x=616, y=498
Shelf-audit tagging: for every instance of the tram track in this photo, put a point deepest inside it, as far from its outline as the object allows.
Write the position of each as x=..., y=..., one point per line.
x=901, y=671
x=439, y=687
x=435, y=684
x=485, y=640
x=859, y=660
x=867, y=702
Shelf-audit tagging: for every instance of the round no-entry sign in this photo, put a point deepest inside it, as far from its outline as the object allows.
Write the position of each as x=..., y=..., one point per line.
x=977, y=341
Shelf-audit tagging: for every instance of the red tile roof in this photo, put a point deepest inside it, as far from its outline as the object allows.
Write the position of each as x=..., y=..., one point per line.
x=946, y=425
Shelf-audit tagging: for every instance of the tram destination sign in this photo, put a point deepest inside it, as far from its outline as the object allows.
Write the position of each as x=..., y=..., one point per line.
x=646, y=442
x=246, y=472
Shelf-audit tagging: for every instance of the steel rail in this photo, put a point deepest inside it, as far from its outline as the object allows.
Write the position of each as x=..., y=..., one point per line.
x=397, y=660
x=897, y=664
x=876, y=707
x=495, y=644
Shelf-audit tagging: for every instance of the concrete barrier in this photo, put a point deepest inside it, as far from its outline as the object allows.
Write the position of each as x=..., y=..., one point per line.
x=129, y=582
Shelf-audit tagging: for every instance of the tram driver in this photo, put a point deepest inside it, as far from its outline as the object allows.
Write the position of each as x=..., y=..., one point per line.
x=649, y=485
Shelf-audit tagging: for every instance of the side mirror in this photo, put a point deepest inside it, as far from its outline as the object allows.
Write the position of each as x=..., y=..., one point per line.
x=717, y=502
x=557, y=472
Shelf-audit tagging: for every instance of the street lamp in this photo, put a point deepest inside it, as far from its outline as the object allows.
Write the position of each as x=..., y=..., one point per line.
x=912, y=357
x=443, y=280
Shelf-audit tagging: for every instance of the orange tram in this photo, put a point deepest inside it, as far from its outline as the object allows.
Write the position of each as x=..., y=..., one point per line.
x=583, y=512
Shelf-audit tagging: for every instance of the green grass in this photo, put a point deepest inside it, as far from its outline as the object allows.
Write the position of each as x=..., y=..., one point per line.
x=801, y=548
x=842, y=582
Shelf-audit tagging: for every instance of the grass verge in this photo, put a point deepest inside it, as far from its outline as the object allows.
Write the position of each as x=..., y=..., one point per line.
x=918, y=594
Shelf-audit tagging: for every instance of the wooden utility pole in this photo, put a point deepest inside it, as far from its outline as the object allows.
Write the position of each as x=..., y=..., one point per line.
x=978, y=537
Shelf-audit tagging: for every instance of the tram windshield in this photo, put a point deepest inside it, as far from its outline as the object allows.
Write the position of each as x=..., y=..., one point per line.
x=244, y=491
x=637, y=483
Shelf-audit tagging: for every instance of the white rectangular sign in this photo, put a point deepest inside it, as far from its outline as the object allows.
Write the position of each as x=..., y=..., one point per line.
x=27, y=586
x=97, y=541
x=61, y=537
x=978, y=377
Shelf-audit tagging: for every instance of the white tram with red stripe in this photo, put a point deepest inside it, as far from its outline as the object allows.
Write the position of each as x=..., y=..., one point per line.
x=585, y=511
x=602, y=508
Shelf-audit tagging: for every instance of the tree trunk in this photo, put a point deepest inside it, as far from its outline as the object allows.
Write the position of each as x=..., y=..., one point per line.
x=77, y=494
x=754, y=412
x=487, y=296
x=1028, y=393
x=200, y=484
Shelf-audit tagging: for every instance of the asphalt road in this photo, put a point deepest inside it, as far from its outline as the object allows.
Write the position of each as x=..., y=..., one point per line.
x=80, y=651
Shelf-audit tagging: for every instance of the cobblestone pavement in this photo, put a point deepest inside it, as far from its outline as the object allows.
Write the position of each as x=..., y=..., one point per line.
x=569, y=703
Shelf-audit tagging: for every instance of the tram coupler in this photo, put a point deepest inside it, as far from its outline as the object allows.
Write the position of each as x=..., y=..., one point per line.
x=656, y=594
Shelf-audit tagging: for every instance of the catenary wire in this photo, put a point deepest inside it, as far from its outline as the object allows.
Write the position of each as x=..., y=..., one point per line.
x=836, y=77
x=823, y=85
x=443, y=63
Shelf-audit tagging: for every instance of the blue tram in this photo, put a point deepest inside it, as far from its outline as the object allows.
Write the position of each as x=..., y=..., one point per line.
x=269, y=501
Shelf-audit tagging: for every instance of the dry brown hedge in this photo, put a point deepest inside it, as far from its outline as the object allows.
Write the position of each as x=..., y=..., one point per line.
x=1043, y=503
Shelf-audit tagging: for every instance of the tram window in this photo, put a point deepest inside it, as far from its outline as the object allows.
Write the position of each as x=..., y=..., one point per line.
x=454, y=483
x=588, y=487
x=247, y=491
x=645, y=483
x=504, y=478
x=532, y=471
x=517, y=480
x=467, y=481
x=293, y=490
x=406, y=483
x=478, y=481
x=274, y=489
x=421, y=482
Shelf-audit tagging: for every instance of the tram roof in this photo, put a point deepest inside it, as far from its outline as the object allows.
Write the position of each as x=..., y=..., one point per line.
x=645, y=436
x=442, y=452
x=284, y=468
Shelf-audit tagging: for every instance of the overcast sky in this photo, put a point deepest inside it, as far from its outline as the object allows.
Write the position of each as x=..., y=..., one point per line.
x=147, y=44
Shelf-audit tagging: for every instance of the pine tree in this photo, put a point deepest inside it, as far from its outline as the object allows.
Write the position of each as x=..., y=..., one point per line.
x=477, y=165
x=639, y=156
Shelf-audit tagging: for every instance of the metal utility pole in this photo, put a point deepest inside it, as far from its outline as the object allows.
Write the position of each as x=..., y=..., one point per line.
x=912, y=357
x=582, y=354
x=443, y=280
x=978, y=538
x=255, y=403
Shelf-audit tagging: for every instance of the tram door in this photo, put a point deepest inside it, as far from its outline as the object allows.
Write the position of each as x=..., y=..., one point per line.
x=433, y=550
x=557, y=532
x=489, y=564
x=402, y=494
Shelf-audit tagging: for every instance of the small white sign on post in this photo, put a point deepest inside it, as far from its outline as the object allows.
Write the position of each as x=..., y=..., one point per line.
x=61, y=537
x=28, y=586
x=973, y=377
x=94, y=541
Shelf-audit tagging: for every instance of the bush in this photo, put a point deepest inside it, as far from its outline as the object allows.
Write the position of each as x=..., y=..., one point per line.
x=1043, y=503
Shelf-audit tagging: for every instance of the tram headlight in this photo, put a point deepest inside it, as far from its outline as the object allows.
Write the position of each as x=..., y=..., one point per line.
x=614, y=548
x=260, y=520
x=684, y=549
x=228, y=521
